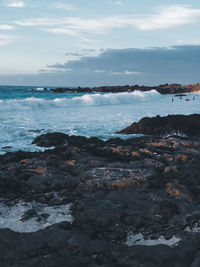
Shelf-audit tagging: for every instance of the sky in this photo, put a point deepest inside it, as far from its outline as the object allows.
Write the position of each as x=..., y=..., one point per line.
x=99, y=42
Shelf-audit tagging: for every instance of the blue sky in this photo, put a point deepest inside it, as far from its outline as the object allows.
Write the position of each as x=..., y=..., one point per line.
x=90, y=42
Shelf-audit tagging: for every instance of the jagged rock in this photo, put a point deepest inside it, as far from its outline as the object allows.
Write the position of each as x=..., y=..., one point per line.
x=51, y=139
x=162, y=89
x=172, y=124
x=60, y=139
x=147, y=186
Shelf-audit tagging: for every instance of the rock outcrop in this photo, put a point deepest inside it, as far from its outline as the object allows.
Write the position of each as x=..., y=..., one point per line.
x=170, y=125
x=134, y=202
x=162, y=89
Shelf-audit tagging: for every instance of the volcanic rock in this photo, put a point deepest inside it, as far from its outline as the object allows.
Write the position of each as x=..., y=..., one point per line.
x=145, y=187
x=160, y=126
x=162, y=89
x=50, y=139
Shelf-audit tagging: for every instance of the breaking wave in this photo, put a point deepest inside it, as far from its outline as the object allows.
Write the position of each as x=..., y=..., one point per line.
x=40, y=89
x=88, y=99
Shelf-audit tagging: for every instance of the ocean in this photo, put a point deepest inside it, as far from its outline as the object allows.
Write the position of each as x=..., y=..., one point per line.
x=26, y=112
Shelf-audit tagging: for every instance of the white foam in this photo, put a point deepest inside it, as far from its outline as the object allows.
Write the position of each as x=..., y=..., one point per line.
x=88, y=99
x=100, y=115
x=40, y=89
x=173, y=133
x=194, y=229
x=116, y=98
x=11, y=216
x=138, y=239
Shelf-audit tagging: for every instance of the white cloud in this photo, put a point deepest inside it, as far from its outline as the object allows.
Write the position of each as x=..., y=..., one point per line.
x=15, y=4
x=120, y=3
x=126, y=72
x=168, y=17
x=40, y=22
x=165, y=17
x=75, y=24
x=50, y=69
x=6, y=27
x=5, y=39
x=62, y=31
x=99, y=71
x=63, y=6
x=190, y=42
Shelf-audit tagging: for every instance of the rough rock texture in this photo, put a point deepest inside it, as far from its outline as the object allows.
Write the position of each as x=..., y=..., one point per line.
x=50, y=139
x=145, y=186
x=61, y=139
x=162, y=89
x=182, y=124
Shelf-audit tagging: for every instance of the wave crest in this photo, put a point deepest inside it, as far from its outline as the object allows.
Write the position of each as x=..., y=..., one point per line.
x=88, y=99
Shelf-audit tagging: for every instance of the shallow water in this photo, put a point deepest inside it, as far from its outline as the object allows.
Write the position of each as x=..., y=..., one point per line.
x=13, y=216
x=27, y=112
x=139, y=240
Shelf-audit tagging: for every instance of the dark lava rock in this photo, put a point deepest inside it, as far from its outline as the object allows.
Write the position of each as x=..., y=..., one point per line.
x=147, y=186
x=50, y=139
x=162, y=89
x=58, y=139
x=181, y=124
x=31, y=213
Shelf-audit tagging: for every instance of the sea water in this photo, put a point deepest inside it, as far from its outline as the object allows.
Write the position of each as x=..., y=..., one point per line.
x=26, y=112
x=12, y=215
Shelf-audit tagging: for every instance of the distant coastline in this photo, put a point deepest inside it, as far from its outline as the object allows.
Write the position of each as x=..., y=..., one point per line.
x=162, y=89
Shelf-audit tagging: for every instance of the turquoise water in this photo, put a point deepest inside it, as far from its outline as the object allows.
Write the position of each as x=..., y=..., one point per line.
x=21, y=92
x=26, y=112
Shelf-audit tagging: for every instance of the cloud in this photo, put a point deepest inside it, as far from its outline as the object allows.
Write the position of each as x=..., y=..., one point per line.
x=168, y=17
x=63, y=31
x=120, y=3
x=164, y=17
x=76, y=25
x=180, y=64
x=15, y=4
x=130, y=66
x=82, y=53
x=51, y=69
x=190, y=42
x=89, y=50
x=74, y=54
x=39, y=22
x=6, y=27
x=5, y=39
x=63, y=6
x=99, y=71
x=126, y=72
x=119, y=61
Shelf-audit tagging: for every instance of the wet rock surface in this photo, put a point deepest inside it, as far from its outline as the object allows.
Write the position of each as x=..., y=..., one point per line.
x=161, y=126
x=134, y=202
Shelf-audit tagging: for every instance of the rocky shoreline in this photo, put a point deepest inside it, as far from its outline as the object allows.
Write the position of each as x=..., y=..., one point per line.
x=188, y=125
x=162, y=89
x=132, y=202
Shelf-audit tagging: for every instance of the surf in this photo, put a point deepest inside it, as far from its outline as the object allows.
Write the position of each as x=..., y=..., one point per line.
x=85, y=100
